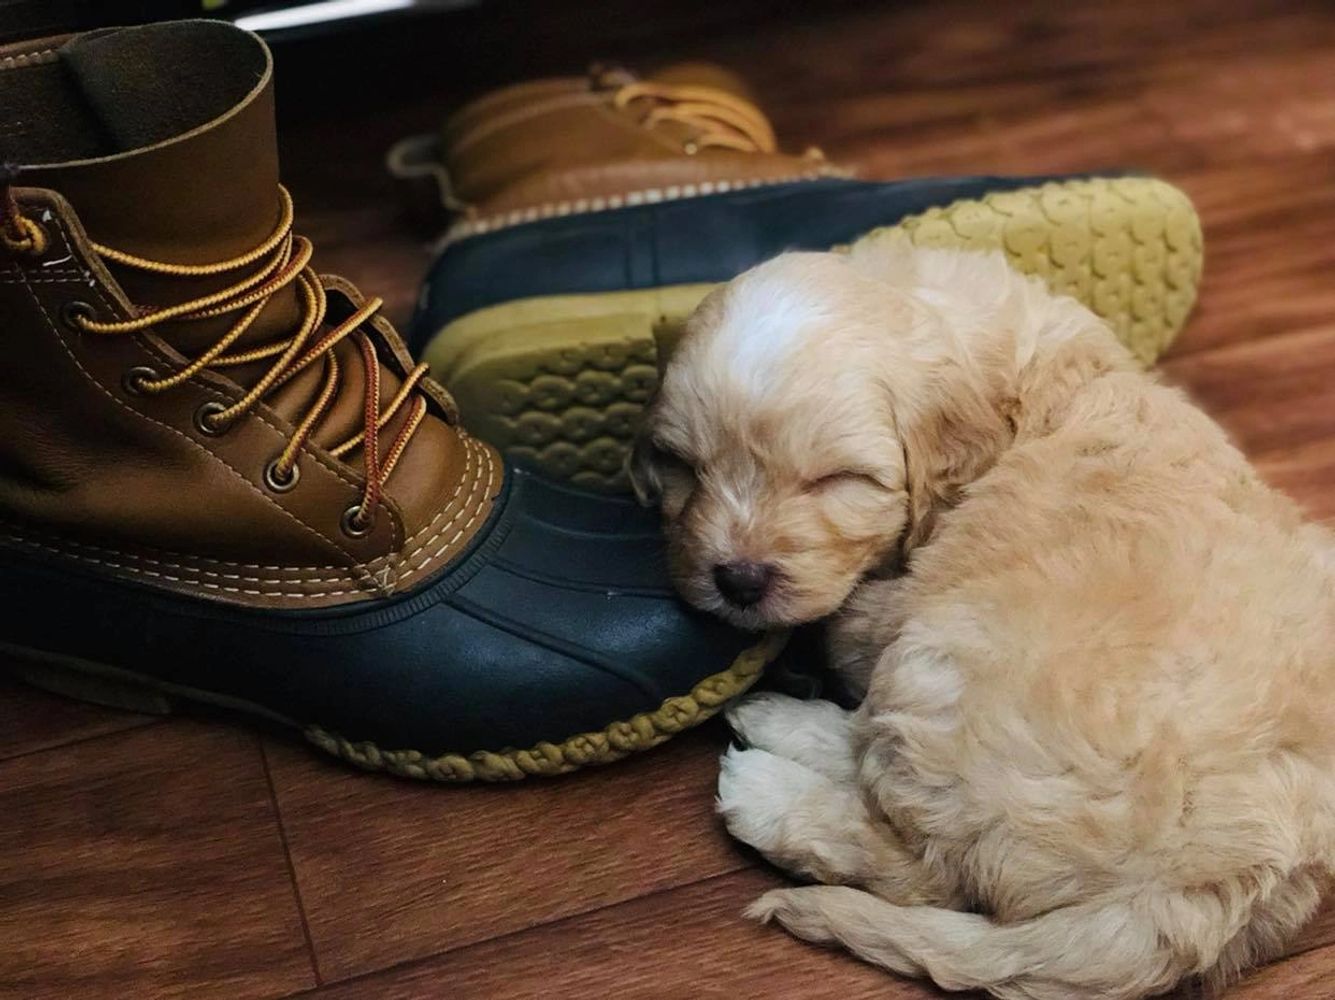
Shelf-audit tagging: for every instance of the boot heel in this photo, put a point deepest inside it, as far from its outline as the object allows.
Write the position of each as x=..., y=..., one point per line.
x=93, y=686
x=558, y=383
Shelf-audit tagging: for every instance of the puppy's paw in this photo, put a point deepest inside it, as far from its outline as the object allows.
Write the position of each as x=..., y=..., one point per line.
x=767, y=907
x=776, y=905
x=816, y=734
x=801, y=911
x=758, y=793
x=799, y=819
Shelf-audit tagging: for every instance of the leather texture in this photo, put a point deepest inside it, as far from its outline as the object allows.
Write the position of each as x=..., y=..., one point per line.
x=571, y=143
x=558, y=620
x=89, y=463
x=690, y=241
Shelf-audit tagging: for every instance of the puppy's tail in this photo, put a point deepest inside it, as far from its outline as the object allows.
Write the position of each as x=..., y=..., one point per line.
x=1103, y=951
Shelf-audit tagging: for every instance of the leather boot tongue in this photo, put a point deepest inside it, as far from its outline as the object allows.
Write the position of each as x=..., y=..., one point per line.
x=191, y=107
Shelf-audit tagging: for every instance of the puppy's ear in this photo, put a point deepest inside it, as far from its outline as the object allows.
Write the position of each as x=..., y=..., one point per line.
x=946, y=448
x=642, y=469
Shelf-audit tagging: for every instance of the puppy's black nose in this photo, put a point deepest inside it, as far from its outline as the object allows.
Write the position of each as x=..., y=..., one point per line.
x=743, y=583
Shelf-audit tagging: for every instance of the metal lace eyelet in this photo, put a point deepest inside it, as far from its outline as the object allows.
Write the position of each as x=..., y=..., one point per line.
x=274, y=479
x=690, y=147
x=350, y=524
x=73, y=311
x=204, y=422
x=133, y=380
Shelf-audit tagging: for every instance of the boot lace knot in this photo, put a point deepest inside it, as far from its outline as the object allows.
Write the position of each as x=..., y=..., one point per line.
x=18, y=233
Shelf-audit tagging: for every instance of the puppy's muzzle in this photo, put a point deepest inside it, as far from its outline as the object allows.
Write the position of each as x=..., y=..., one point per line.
x=743, y=584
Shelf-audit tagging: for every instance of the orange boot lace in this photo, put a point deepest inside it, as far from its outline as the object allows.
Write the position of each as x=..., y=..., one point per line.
x=281, y=260
x=719, y=119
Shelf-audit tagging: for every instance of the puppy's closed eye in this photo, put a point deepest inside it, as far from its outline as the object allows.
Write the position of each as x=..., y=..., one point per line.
x=671, y=461
x=652, y=465
x=843, y=477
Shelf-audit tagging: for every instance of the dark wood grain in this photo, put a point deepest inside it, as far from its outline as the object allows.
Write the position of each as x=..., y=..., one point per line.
x=1310, y=976
x=31, y=720
x=1268, y=249
x=145, y=864
x=1320, y=933
x=689, y=942
x=391, y=871
x=694, y=942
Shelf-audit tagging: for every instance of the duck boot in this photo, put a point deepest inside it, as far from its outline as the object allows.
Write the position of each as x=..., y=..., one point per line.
x=549, y=148
x=551, y=333
x=223, y=480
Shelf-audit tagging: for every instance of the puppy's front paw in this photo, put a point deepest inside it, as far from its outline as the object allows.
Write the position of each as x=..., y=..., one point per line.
x=757, y=790
x=799, y=819
x=816, y=734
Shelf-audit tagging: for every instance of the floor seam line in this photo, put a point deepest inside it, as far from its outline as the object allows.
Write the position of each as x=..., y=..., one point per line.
x=291, y=866
x=410, y=963
x=78, y=741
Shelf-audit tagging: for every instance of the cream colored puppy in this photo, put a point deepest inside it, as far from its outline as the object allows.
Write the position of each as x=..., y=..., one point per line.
x=1096, y=753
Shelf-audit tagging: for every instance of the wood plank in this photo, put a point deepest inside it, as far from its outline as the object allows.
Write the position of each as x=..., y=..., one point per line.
x=32, y=720
x=1271, y=394
x=1268, y=251
x=1320, y=933
x=391, y=871
x=1089, y=135
x=689, y=942
x=1262, y=108
x=1310, y=976
x=1306, y=474
x=146, y=864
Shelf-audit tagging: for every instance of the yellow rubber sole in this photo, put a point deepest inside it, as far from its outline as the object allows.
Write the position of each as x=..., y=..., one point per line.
x=558, y=382
x=131, y=691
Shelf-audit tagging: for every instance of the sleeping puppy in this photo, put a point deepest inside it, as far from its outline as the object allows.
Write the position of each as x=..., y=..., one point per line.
x=1096, y=752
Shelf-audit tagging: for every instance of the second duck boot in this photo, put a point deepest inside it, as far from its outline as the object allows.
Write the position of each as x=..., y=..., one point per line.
x=551, y=333
x=572, y=145
x=222, y=479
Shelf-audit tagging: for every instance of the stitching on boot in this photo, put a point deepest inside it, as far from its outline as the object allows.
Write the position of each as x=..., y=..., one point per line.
x=29, y=59
x=92, y=381
x=600, y=203
x=470, y=448
x=300, y=595
x=56, y=543
x=306, y=449
x=397, y=559
x=15, y=533
x=358, y=573
x=478, y=508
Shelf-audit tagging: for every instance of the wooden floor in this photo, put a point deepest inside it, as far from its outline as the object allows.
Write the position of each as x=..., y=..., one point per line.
x=142, y=858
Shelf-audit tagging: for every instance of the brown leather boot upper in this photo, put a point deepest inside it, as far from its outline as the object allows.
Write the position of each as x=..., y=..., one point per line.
x=185, y=401
x=573, y=144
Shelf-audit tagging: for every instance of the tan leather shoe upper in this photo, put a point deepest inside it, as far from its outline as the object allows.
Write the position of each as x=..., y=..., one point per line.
x=576, y=144
x=186, y=402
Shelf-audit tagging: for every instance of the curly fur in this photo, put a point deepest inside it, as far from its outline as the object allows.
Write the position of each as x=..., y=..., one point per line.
x=1097, y=651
